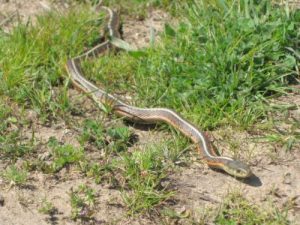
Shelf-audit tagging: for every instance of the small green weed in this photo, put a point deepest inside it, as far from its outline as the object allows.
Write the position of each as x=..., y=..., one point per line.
x=13, y=145
x=143, y=172
x=100, y=171
x=93, y=131
x=15, y=176
x=12, y=141
x=83, y=201
x=113, y=139
x=47, y=207
x=65, y=155
x=287, y=139
x=120, y=138
x=5, y=111
x=282, y=127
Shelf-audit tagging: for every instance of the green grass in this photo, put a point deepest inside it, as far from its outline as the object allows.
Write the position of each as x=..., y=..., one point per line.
x=93, y=132
x=64, y=155
x=237, y=210
x=218, y=67
x=32, y=59
x=13, y=144
x=282, y=129
x=60, y=156
x=137, y=174
x=215, y=70
x=113, y=139
x=111, y=142
x=15, y=176
x=143, y=173
x=47, y=207
x=83, y=201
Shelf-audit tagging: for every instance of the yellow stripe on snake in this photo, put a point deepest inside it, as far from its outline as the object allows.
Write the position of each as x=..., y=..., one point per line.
x=148, y=115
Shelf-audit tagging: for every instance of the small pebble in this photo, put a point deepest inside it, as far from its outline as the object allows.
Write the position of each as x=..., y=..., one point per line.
x=287, y=179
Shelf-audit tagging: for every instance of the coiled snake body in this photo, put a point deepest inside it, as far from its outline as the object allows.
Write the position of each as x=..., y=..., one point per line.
x=149, y=115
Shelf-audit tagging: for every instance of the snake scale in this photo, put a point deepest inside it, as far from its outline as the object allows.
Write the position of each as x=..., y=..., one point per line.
x=148, y=115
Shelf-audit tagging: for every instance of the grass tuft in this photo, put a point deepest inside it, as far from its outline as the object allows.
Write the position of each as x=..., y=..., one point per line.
x=15, y=176
x=143, y=173
x=32, y=58
x=47, y=207
x=82, y=202
x=237, y=210
x=13, y=143
x=64, y=155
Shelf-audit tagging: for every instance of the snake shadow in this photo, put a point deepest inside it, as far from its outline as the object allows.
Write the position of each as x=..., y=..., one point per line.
x=144, y=127
x=253, y=180
x=141, y=126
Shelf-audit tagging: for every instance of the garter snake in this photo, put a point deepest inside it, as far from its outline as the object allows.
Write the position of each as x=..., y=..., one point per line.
x=148, y=115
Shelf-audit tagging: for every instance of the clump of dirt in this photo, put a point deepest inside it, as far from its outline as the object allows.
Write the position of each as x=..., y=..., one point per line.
x=13, y=11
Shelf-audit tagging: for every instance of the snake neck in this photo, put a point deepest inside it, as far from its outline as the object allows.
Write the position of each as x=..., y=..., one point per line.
x=215, y=161
x=112, y=28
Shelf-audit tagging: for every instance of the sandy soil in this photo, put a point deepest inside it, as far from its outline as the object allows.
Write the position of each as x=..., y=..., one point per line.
x=277, y=172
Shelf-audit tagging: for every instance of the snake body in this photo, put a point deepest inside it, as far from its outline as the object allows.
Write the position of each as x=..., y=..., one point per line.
x=148, y=115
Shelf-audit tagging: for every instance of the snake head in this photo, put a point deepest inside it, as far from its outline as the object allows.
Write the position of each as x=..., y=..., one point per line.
x=237, y=169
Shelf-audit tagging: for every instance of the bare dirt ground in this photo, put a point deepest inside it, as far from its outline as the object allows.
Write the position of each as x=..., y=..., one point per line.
x=277, y=172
